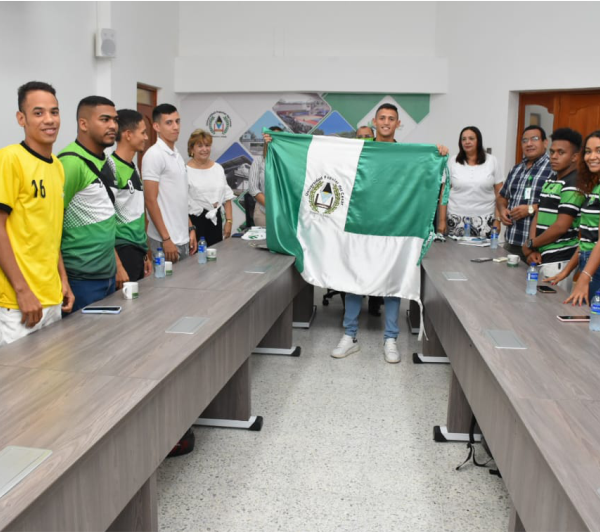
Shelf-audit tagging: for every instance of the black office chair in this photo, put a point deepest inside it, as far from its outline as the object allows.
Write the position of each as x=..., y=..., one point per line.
x=329, y=295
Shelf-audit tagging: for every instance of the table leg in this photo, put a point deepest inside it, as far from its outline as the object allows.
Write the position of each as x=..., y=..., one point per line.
x=278, y=341
x=433, y=352
x=304, y=307
x=459, y=416
x=515, y=524
x=231, y=408
x=141, y=513
x=413, y=317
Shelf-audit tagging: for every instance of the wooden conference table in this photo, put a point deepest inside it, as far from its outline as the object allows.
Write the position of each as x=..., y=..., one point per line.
x=539, y=407
x=110, y=395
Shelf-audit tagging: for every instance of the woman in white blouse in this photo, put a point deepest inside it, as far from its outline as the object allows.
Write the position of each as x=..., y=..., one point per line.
x=475, y=180
x=208, y=191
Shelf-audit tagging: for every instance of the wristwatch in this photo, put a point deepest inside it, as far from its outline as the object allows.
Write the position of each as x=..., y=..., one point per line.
x=191, y=228
x=530, y=210
x=530, y=244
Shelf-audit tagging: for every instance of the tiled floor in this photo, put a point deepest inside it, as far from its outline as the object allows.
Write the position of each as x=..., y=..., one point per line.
x=346, y=446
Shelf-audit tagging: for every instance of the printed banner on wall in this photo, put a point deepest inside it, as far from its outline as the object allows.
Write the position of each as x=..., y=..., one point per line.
x=223, y=123
x=235, y=144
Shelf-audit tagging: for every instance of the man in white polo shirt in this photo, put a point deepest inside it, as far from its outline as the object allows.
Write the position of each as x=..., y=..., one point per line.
x=166, y=189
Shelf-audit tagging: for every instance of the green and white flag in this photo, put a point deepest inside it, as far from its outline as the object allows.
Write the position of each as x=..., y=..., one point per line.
x=358, y=216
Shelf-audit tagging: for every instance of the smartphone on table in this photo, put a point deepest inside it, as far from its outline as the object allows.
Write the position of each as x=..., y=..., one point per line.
x=100, y=309
x=546, y=289
x=574, y=318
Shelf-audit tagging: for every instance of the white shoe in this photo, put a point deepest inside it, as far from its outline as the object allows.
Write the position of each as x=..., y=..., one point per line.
x=390, y=351
x=347, y=346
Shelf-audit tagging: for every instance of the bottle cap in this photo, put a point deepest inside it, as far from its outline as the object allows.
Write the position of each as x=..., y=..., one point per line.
x=159, y=248
x=533, y=264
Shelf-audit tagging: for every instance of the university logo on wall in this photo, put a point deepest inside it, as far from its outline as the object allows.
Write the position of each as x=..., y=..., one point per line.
x=325, y=195
x=218, y=123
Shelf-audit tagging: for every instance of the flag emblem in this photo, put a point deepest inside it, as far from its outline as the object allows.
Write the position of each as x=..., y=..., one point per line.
x=325, y=195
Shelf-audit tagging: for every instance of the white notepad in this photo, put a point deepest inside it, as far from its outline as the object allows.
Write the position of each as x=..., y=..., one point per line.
x=16, y=463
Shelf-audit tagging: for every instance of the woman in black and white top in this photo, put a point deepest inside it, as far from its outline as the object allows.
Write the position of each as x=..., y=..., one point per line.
x=475, y=179
x=208, y=191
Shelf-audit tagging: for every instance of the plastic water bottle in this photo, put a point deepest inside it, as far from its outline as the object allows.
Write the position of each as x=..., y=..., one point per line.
x=595, y=313
x=532, y=279
x=467, y=226
x=159, y=264
x=494, y=238
x=202, y=251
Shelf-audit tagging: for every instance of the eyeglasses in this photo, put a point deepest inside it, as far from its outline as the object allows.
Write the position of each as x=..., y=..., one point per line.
x=530, y=139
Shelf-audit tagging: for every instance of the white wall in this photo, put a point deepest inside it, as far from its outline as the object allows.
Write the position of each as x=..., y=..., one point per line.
x=54, y=42
x=492, y=49
x=497, y=49
x=46, y=41
x=147, y=35
x=307, y=29
x=309, y=46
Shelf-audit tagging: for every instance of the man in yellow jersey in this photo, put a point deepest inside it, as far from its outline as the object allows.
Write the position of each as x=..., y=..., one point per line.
x=33, y=281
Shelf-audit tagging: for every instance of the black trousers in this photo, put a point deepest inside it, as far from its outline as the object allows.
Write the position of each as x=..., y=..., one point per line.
x=205, y=228
x=132, y=259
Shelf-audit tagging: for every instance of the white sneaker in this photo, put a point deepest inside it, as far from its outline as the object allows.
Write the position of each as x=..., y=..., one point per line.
x=347, y=346
x=390, y=351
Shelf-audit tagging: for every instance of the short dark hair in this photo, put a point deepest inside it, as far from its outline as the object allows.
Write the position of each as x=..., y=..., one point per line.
x=462, y=155
x=570, y=135
x=539, y=128
x=30, y=87
x=389, y=106
x=129, y=120
x=275, y=128
x=162, y=109
x=93, y=101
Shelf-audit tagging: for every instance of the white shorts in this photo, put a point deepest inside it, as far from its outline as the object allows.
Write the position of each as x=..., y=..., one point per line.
x=12, y=329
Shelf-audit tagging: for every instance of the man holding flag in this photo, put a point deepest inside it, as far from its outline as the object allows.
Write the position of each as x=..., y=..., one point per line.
x=356, y=215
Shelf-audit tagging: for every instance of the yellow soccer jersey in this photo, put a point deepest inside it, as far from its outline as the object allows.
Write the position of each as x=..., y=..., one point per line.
x=31, y=192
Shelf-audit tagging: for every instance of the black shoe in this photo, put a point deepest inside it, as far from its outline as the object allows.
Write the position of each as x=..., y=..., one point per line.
x=184, y=446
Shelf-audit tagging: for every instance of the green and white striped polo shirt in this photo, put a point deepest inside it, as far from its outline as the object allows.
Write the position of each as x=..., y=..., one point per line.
x=129, y=205
x=559, y=196
x=590, y=217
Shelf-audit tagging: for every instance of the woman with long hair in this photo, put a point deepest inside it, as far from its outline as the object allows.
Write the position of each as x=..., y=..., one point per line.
x=588, y=258
x=475, y=180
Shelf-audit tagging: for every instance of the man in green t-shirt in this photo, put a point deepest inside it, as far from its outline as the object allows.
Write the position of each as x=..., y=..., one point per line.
x=88, y=244
x=131, y=242
x=554, y=229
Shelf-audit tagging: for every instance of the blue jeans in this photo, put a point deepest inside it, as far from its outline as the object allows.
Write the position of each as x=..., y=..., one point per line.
x=595, y=280
x=353, y=306
x=89, y=291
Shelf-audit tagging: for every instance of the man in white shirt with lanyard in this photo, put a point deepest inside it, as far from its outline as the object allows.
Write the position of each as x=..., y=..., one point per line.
x=166, y=189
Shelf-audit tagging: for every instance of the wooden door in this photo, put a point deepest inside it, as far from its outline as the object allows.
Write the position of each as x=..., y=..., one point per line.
x=579, y=110
x=146, y=102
